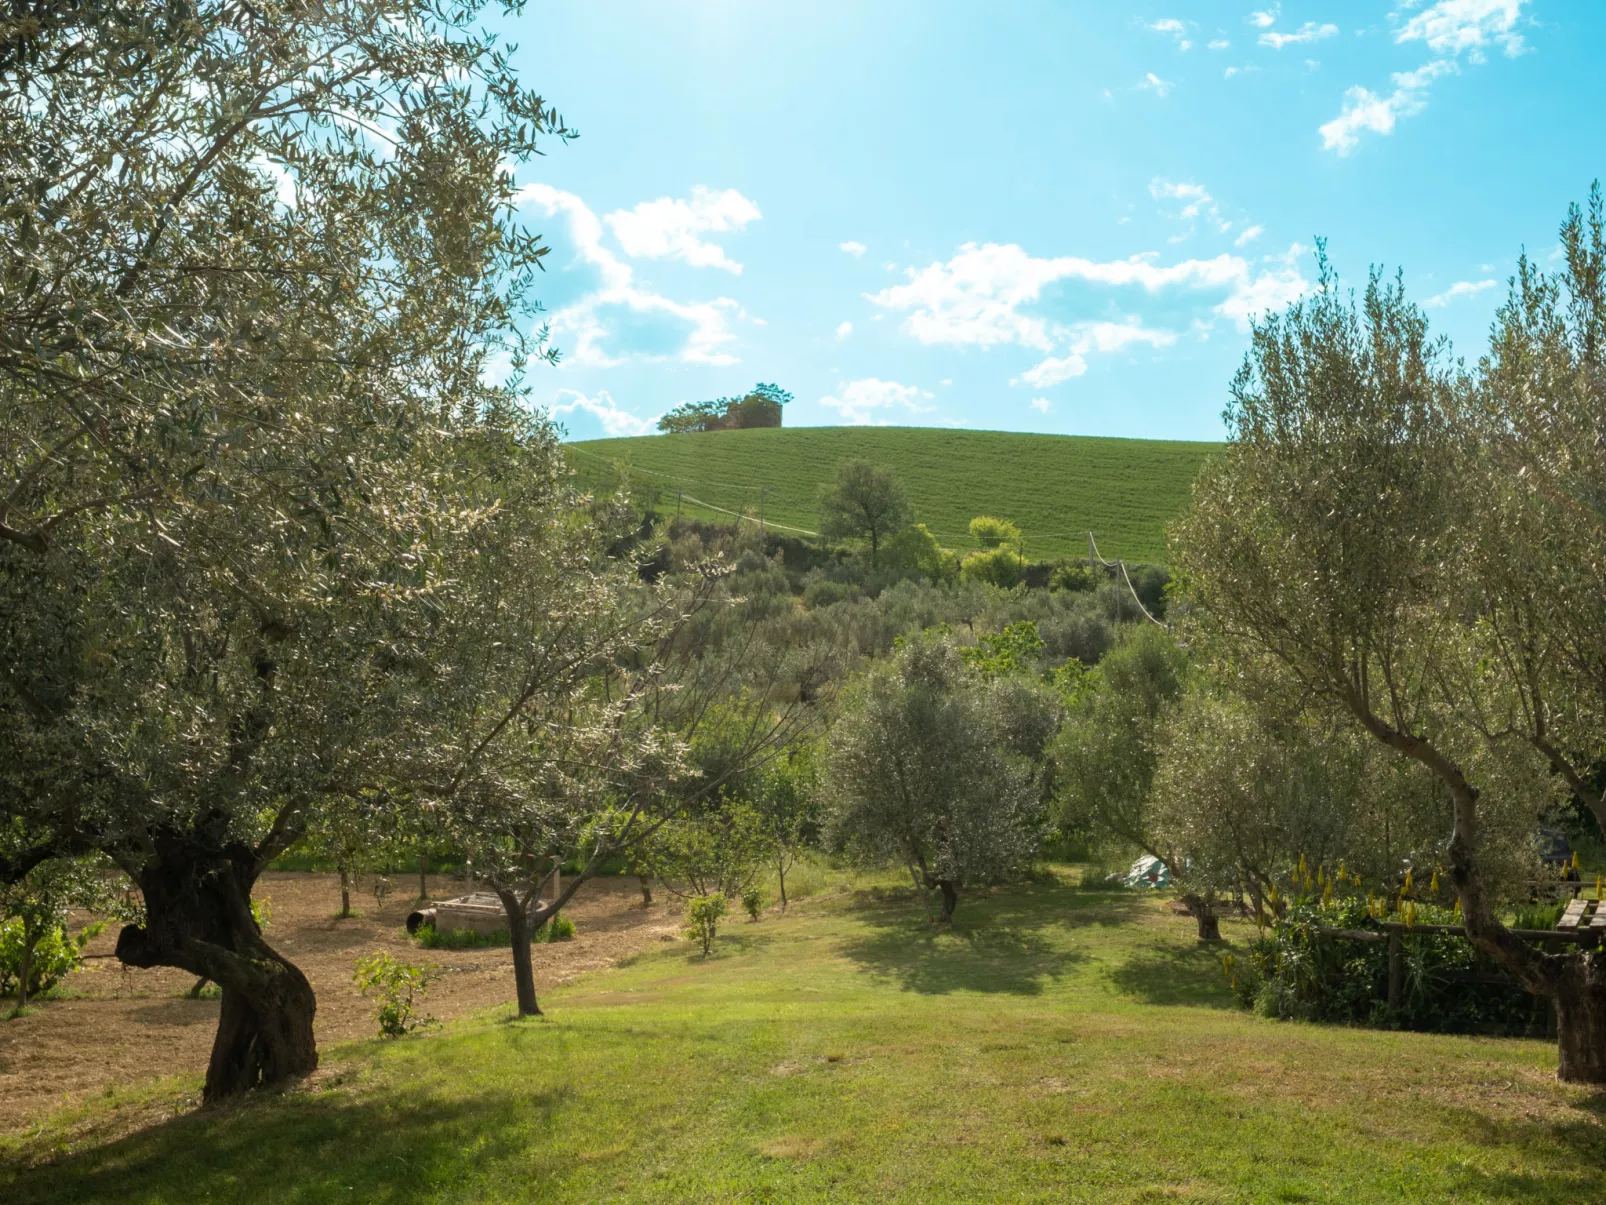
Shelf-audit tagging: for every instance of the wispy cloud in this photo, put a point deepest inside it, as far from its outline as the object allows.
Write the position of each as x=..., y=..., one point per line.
x=1248, y=236
x=1173, y=28
x=1196, y=203
x=1219, y=44
x=1153, y=83
x=614, y=419
x=1308, y=32
x=1451, y=29
x=844, y=330
x=1042, y=404
x=1365, y=111
x=988, y=294
x=1265, y=18
x=1459, y=290
x=1453, y=26
x=1085, y=340
x=863, y=402
x=852, y=248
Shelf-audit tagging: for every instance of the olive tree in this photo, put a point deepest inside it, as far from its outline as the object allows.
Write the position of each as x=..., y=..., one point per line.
x=1241, y=796
x=258, y=259
x=932, y=766
x=569, y=717
x=1108, y=750
x=1338, y=535
x=865, y=502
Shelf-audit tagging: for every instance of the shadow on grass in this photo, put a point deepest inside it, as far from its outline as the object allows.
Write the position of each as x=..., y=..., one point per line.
x=1010, y=941
x=1571, y=1147
x=299, y=1148
x=1176, y=975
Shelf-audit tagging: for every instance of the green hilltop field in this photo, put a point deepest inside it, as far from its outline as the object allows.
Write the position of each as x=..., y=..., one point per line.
x=1057, y=487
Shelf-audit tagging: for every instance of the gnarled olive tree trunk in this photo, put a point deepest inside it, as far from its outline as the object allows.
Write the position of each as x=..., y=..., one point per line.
x=198, y=918
x=1574, y=983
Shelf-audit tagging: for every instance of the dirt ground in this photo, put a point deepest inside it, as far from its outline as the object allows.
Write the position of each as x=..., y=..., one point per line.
x=117, y=1026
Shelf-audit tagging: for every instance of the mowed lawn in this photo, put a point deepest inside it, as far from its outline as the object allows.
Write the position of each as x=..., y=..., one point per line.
x=1057, y=487
x=1059, y=1044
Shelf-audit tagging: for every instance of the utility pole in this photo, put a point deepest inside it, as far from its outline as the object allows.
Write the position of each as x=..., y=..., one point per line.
x=677, y=506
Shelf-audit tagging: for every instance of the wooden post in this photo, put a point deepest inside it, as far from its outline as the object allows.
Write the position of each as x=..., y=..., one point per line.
x=677, y=504
x=1396, y=973
x=761, y=510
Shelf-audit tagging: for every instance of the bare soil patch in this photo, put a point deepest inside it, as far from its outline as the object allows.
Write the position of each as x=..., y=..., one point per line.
x=118, y=1026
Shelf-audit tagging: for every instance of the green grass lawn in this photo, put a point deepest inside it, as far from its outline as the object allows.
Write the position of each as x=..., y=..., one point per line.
x=1059, y=1044
x=1057, y=487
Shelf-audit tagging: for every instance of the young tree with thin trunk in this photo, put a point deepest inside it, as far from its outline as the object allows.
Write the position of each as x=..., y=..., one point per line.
x=864, y=503
x=1338, y=536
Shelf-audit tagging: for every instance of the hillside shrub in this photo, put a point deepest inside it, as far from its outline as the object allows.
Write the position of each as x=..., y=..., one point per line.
x=1294, y=972
x=703, y=914
x=823, y=592
x=1001, y=566
x=398, y=987
x=55, y=956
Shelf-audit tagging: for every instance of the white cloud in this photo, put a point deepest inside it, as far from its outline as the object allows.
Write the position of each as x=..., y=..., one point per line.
x=1460, y=289
x=280, y=176
x=844, y=330
x=1308, y=32
x=1219, y=44
x=1174, y=27
x=1274, y=286
x=668, y=228
x=1085, y=339
x=1364, y=110
x=1055, y=370
x=1449, y=28
x=1153, y=83
x=1196, y=203
x=615, y=309
x=1452, y=26
x=1248, y=236
x=1266, y=18
x=603, y=408
x=984, y=296
x=859, y=400
x=1042, y=404
x=852, y=248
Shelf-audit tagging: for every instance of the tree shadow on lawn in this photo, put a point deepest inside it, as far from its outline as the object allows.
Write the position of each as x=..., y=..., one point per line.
x=1572, y=1145
x=298, y=1148
x=1176, y=975
x=998, y=942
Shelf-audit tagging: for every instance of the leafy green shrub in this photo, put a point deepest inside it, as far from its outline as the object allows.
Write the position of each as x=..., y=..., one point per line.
x=703, y=914
x=558, y=928
x=55, y=956
x=431, y=938
x=753, y=901
x=398, y=986
x=823, y=592
x=1296, y=972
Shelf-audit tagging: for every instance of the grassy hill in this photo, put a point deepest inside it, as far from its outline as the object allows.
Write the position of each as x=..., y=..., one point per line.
x=1059, y=1043
x=1057, y=487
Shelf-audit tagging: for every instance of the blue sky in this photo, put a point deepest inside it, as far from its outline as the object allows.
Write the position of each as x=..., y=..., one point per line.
x=1025, y=215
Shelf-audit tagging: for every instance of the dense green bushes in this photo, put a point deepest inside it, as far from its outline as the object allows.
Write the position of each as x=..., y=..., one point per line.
x=1296, y=972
